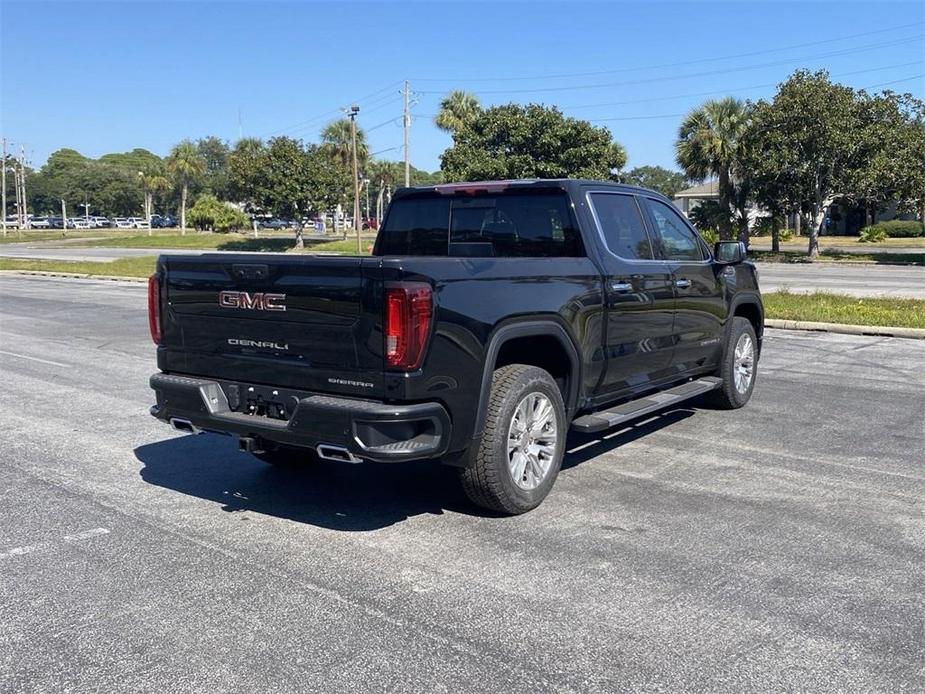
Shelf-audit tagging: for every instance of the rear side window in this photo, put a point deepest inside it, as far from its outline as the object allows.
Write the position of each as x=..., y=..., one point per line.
x=677, y=239
x=524, y=225
x=622, y=225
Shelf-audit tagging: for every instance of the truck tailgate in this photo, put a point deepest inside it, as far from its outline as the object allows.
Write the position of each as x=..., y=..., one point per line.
x=270, y=318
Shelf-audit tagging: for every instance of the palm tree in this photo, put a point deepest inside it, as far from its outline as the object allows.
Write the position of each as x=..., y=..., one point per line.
x=709, y=144
x=153, y=182
x=457, y=110
x=336, y=138
x=185, y=163
x=384, y=173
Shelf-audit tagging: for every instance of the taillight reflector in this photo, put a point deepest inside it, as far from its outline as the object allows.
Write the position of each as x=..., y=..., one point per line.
x=154, y=308
x=406, y=324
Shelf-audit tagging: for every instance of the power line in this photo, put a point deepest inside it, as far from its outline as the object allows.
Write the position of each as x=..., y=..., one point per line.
x=668, y=78
x=327, y=114
x=727, y=91
x=668, y=65
x=679, y=115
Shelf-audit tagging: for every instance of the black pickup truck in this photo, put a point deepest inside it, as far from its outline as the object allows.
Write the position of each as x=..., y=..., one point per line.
x=491, y=318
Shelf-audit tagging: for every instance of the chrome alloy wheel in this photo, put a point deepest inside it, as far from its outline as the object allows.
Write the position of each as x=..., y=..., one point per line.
x=531, y=441
x=744, y=366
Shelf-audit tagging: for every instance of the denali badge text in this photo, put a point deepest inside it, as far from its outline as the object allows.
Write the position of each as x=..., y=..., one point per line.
x=258, y=301
x=259, y=344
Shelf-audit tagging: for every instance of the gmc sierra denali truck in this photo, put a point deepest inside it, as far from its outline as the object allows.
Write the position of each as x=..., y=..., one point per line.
x=490, y=320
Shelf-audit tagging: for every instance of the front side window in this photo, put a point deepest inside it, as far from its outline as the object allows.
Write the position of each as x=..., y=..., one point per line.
x=677, y=240
x=622, y=226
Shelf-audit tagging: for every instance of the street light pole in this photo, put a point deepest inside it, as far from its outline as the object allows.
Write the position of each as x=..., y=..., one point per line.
x=63, y=217
x=354, y=110
x=4, y=186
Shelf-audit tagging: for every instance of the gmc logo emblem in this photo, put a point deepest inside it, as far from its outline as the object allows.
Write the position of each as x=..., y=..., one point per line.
x=258, y=301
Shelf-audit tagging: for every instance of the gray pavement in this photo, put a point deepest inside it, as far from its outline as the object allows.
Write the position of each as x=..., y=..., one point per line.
x=853, y=279
x=777, y=547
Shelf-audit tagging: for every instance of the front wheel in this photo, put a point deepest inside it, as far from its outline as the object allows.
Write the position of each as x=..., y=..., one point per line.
x=514, y=464
x=739, y=367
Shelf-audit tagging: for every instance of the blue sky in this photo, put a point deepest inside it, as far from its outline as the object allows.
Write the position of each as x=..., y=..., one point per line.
x=106, y=77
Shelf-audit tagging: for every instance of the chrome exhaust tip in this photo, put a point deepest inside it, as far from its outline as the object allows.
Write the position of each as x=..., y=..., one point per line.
x=326, y=451
x=183, y=425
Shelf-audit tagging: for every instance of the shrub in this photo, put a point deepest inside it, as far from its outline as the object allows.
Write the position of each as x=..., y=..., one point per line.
x=898, y=229
x=210, y=213
x=785, y=235
x=872, y=235
x=711, y=236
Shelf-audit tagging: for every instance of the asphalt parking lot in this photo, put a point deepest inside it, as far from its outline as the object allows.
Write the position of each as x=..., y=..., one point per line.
x=777, y=547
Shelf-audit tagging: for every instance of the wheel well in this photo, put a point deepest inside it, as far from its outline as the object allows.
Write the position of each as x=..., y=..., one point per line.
x=752, y=313
x=543, y=351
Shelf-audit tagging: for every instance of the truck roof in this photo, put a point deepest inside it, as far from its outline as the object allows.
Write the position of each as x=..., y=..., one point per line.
x=471, y=187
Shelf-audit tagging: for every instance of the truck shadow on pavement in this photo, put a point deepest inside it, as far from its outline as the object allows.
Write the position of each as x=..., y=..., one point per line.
x=333, y=495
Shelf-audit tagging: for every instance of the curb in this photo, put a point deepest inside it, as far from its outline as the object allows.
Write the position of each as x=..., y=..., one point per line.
x=73, y=275
x=846, y=329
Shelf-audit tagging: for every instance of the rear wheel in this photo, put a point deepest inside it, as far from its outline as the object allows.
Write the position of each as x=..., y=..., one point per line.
x=739, y=367
x=514, y=464
x=289, y=457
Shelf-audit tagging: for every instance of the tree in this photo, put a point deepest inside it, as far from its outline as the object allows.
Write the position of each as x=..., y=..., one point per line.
x=211, y=213
x=244, y=166
x=185, y=163
x=890, y=162
x=154, y=181
x=215, y=153
x=458, y=109
x=533, y=141
x=337, y=140
x=709, y=144
x=657, y=178
x=807, y=140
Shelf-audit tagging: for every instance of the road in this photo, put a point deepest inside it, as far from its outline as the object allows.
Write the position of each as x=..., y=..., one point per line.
x=777, y=547
x=852, y=279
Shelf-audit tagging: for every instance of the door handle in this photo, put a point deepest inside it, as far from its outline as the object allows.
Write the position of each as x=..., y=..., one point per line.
x=621, y=286
x=682, y=284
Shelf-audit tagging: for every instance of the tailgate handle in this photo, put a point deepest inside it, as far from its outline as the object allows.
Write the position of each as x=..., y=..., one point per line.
x=251, y=272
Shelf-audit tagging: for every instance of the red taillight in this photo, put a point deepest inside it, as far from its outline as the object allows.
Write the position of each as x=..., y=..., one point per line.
x=154, y=308
x=408, y=313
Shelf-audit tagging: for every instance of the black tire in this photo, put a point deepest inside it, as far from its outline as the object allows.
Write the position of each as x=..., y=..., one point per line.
x=487, y=479
x=729, y=396
x=287, y=457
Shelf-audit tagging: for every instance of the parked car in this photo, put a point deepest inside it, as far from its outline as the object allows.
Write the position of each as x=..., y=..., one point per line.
x=82, y=223
x=123, y=223
x=276, y=224
x=100, y=222
x=163, y=221
x=139, y=223
x=39, y=223
x=493, y=318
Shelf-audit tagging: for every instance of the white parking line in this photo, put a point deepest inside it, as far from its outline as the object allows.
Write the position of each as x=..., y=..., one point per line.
x=76, y=537
x=26, y=549
x=25, y=356
x=86, y=534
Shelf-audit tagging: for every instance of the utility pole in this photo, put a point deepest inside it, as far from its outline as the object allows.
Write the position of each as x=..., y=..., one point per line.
x=86, y=206
x=354, y=110
x=4, y=186
x=18, y=199
x=22, y=182
x=406, y=121
x=63, y=217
